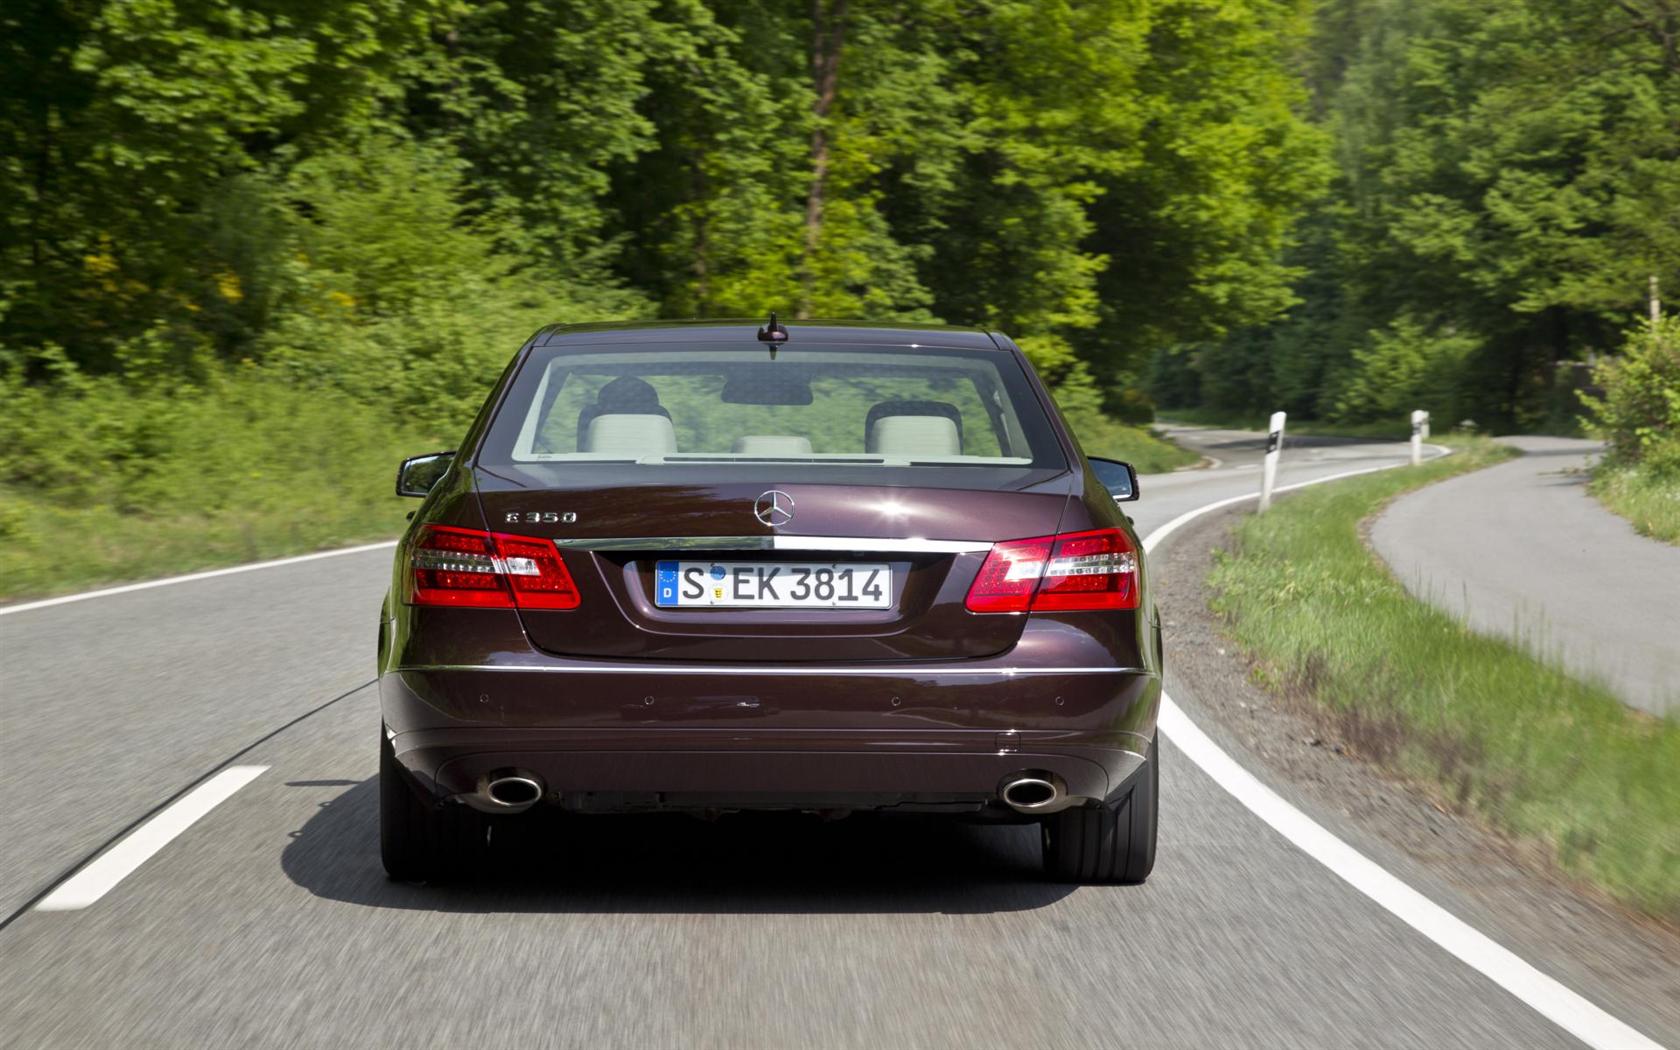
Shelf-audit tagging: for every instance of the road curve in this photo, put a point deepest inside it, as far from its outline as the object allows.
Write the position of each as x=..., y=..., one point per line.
x=1522, y=551
x=268, y=922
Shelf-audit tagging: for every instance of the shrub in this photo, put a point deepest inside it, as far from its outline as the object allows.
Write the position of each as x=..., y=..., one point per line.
x=1639, y=413
x=1404, y=366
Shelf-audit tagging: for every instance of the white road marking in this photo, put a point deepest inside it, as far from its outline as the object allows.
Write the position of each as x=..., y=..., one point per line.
x=169, y=581
x=117, y=863
x=1546, y=996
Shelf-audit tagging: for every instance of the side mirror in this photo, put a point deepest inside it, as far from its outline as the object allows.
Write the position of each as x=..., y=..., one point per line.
x=418, y=474
x=1118, y=478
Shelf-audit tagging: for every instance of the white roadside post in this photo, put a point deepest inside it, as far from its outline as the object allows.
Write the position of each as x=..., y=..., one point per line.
x=1420, y=430
x=1268, y=469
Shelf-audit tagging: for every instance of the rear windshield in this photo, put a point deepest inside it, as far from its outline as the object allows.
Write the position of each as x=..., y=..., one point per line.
x=913, y=416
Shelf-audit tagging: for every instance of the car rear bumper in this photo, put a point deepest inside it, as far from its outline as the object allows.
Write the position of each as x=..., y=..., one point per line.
x=626, y=737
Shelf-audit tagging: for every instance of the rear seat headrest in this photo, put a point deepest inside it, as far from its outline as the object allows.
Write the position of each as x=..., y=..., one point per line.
x=914, y=428
x=915, y=436
x=911, y=408
x=626, y=395
x=627, y=434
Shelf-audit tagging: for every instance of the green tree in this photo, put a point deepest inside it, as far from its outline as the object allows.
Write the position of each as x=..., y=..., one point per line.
x=122, y=124
x=1508, y=173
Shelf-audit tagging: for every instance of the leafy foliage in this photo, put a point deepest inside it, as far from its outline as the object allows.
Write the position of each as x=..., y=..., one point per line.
x=1639, y=412
x=219, y=176
x=1507, y=178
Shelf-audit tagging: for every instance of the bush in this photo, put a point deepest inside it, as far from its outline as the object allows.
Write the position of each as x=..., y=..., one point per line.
x=1404, y=366
x=1639, y=414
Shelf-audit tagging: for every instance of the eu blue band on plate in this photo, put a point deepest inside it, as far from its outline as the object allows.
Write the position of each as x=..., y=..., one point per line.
x=665, y=583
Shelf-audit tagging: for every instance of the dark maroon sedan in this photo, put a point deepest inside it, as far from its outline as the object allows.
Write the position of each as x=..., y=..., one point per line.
x=711, y=567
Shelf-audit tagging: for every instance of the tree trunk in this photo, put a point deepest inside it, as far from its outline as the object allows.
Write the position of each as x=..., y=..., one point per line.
x=828, y=35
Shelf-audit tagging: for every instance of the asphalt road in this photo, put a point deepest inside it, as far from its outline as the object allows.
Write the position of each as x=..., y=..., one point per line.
x=1521, y=550
x=269, y=921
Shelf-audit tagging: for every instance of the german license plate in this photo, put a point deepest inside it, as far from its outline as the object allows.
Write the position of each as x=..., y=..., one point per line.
x=772, y=585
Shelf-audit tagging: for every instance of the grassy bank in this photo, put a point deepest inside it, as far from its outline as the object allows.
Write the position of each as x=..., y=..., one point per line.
x=1649, y=500
x=1535, y=752
x=1135, y=445
x=101, y=490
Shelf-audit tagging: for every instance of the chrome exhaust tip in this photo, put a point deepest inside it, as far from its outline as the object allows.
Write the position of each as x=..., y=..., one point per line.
x=507, y=791
x=1035, y=793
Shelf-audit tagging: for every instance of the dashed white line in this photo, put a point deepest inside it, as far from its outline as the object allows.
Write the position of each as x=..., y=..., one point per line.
x=169, y=581
x=1545, y=995
x=109, y=868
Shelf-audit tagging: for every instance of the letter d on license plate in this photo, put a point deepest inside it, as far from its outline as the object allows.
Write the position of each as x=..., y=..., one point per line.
x=772, y=585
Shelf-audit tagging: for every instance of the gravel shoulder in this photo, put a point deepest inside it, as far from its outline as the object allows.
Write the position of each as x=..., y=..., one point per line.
x=1512, y=892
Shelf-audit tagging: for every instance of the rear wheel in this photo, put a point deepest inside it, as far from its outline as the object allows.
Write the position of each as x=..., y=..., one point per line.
x=1108, y=843
x=418, y=839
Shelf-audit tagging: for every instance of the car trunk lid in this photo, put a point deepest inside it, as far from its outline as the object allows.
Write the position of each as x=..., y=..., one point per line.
x=933, y=540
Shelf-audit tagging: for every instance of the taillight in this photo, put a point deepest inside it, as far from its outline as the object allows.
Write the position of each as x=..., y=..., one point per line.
x=466, y=567
x=1073, y=572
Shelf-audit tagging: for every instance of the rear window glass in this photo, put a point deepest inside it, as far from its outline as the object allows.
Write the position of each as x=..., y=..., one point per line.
x=825, y=411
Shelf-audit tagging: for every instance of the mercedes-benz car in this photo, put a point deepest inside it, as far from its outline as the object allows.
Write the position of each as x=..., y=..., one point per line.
x=712, y=567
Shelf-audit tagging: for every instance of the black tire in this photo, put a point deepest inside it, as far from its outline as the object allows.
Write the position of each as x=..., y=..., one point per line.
x=419, y=840
x=1108, y=843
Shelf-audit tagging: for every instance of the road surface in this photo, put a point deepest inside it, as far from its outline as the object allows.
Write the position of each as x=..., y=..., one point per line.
x=269, y=922
x=1522, y=551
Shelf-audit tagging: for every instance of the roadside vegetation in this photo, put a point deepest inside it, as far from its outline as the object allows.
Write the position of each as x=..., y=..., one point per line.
x=1503, y=190
x=1142, y=448
x=133, y=484
x=1638, y=415
x=1536, y=753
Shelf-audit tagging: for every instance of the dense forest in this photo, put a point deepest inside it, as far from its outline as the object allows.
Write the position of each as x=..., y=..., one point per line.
x=275, y=239
x=296, y=184
x=1506, y=182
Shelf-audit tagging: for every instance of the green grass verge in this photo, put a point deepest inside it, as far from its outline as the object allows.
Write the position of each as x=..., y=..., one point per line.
x=1650, y=501
x=1535, y=752
x=1135, y=445
x=52, y=549
x=253, y=470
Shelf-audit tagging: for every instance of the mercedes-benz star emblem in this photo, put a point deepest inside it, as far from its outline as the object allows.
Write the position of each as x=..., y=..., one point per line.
x=773, y=508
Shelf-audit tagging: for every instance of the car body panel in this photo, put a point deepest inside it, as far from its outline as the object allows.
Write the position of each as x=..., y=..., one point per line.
x=926, y=620
x=619, y=704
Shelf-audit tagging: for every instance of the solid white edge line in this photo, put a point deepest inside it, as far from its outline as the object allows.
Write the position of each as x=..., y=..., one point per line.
x=168, y=581
x=109, y=868
x=1546, y=996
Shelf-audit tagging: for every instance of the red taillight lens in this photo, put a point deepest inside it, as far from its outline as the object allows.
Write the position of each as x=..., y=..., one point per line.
x=465, y=567
x=538, y=575
x=1090, y=570
x=456, y=567
x=1073, y=572
x=1009, y=576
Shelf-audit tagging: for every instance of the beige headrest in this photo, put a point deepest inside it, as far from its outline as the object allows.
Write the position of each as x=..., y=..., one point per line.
x=630, y=435
x=915, y=436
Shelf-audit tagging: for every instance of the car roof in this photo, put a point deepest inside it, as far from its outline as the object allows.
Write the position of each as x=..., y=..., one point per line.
x=734, y=331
